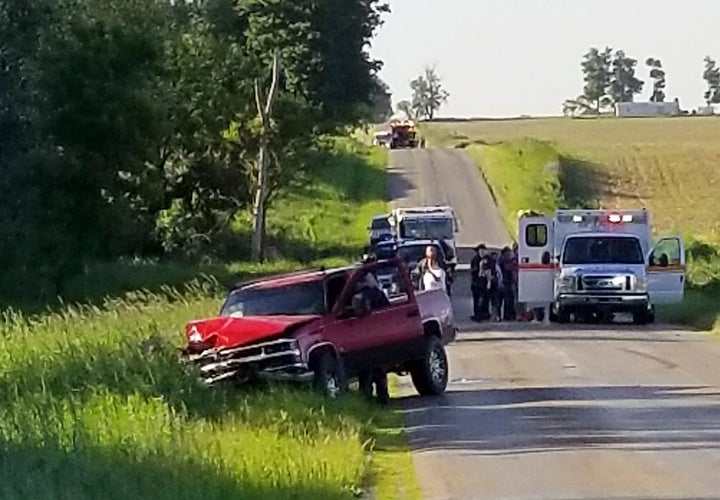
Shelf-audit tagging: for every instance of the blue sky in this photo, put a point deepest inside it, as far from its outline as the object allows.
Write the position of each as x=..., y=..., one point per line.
x=512, y=57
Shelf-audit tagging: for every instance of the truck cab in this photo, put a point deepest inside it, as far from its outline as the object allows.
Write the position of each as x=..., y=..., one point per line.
x=598, y=262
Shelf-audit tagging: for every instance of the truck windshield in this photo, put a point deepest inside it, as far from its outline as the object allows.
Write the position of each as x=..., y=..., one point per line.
x=603, y=250
x=427, y=229
x=294, y=300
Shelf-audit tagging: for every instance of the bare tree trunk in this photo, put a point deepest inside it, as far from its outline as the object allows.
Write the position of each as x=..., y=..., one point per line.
x=263, y=161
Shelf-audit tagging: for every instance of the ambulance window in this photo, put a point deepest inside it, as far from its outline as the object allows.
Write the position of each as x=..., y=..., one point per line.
x=666, y=253
x=536, y=235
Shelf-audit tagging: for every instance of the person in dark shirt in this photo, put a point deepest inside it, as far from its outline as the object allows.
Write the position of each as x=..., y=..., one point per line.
x=477, y=284
x=372, y=293
x=492, y=294
x=508, y=279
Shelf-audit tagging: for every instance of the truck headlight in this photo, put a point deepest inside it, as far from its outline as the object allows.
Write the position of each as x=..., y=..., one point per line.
x=566, y=284
x=641, y=284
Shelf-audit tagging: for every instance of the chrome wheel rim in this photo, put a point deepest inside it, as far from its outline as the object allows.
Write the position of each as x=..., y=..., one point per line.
x=436, y=363
x=332, y=385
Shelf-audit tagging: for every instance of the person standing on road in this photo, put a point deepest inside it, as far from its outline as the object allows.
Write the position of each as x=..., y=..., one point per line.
x=373, y=295
x=508, y=284
x=432, y=274
x=478, y=284
x=519, y=310
x=491, y=279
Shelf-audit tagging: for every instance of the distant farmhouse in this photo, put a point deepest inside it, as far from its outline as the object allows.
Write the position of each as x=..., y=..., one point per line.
x=647, y=109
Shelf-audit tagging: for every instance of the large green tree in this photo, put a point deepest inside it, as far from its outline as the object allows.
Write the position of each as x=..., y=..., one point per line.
x=428, y=94
x=711, y=75
x=597, y=74
x=624, y=85
x=125, y=124
x=657, y=74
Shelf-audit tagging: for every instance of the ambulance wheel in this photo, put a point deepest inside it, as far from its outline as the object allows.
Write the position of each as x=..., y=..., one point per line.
x=644, y=316
x=562, y=316
x=641, y=317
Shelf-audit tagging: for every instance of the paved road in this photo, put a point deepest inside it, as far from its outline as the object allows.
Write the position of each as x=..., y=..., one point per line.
x=435, y=176
x=558, y=413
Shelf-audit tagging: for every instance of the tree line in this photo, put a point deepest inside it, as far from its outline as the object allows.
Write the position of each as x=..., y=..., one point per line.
x=610, y=77
x=143, y=127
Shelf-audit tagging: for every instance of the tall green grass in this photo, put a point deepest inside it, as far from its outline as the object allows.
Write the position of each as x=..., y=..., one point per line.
x=327, y=212
x=523, y=175
x=94, y=402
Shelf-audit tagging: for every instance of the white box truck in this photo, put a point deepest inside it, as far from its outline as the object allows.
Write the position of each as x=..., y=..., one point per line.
x=436, y=223
x=584, y=262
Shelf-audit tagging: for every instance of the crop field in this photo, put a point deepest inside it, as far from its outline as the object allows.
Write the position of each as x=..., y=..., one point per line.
x=670, y=166
x=94, y=403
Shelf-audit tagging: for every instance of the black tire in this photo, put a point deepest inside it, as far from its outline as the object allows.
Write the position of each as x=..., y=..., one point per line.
x=329, y=378
x=640, y=318
x=644, y=316
x=430, y=374
x=562, y=316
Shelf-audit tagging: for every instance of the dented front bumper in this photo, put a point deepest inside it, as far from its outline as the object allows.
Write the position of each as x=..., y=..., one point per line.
x=275, y=360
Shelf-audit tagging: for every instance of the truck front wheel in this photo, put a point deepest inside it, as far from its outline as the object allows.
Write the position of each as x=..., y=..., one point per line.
x=644, y=316
x=430, y=374
x=329, y=377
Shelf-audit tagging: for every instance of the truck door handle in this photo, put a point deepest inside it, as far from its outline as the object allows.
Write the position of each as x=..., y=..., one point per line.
x=414, y=313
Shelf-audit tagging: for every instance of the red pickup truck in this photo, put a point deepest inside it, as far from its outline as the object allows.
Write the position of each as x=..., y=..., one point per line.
x=323, y=326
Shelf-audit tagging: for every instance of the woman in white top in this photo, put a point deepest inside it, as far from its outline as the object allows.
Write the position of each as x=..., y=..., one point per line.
x=434, y=277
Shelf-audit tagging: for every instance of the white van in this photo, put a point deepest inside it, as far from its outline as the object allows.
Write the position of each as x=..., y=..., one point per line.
x=586, y=262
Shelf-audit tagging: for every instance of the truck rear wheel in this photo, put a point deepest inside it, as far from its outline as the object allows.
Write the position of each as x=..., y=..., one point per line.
x=430, y=374
x=329, y=376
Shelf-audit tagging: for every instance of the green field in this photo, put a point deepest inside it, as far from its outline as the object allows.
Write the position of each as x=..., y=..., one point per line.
x=669, y=166
x=96, y=405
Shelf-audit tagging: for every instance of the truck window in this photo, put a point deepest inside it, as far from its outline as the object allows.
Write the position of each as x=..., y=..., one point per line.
x=390, y=279
x=536, y=235
x=427, y=228
x=379, y=224
x=602, y=250
x=334, y=287
x=293, y=300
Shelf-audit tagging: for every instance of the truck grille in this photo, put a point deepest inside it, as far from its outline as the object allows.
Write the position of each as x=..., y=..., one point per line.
x=604, y=283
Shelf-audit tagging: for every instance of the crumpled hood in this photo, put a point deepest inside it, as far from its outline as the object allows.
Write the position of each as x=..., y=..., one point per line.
x=228, y=331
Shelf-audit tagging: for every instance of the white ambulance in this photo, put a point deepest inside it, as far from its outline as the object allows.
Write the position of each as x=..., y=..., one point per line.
x=436, y=223
x=598, y=262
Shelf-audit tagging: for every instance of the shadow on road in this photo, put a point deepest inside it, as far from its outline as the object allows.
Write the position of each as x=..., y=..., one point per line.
x=400, y=186
x=532, y=420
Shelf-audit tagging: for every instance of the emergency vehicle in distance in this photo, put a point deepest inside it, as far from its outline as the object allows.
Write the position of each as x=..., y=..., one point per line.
x=598, y=262
x=427, y=223
x=404, y=135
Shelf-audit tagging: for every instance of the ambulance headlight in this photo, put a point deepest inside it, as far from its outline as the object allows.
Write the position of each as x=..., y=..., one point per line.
x=641, y=284
x=566, y=284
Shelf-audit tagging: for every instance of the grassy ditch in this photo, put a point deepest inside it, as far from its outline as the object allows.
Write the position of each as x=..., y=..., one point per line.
x=667, y=166
x=94, y=403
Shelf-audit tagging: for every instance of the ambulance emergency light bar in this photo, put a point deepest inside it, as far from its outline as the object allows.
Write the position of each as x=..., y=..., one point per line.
x=596, y=217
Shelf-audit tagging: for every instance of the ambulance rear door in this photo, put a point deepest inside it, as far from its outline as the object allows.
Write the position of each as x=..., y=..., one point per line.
x=536, y=260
